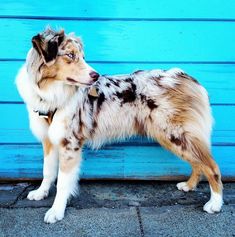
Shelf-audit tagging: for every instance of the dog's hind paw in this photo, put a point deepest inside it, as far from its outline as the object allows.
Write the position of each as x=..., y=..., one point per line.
x=53, y=215
x=183, y=186
x=37, y=194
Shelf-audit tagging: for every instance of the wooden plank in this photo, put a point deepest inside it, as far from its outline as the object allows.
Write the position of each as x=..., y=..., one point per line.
x=216, y=78
x=14, y=126
x=121, y=8
x=133, y=41
x=116, y=162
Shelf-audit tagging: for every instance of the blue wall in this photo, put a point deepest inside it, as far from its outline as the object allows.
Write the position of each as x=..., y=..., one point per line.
x=122, y=36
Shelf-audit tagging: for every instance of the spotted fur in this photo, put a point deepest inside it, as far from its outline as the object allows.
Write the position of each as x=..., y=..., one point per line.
x=166, y=105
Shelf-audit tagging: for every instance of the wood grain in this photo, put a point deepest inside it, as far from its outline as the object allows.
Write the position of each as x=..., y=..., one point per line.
x=121, y=9
x=121, y=37
x=136, y=41
x=215, y=78
x=111, y=162
x=14, y=125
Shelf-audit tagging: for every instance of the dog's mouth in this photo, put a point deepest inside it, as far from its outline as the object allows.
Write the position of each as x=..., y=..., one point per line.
x=75, y=82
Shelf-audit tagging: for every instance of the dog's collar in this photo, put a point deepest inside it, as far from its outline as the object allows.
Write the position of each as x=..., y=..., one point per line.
x=46, y=115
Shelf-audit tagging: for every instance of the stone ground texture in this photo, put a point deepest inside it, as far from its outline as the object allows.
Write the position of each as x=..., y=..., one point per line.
x=118, y=209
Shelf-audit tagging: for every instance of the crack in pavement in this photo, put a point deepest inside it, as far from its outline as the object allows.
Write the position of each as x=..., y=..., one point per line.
x=18, y=197
x=140, y=221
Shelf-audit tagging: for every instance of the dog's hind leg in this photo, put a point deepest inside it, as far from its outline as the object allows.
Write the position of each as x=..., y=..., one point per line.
x=194, y=179
x=197, y=153
x=50, y=169
x=69, y=165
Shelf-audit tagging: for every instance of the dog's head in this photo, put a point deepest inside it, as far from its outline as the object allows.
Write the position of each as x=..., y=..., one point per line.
x=62, y=58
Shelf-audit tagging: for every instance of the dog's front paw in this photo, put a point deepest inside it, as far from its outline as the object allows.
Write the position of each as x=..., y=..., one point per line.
x=53, y=215
x=183, y=186
x=38, y=194
x=214, y=205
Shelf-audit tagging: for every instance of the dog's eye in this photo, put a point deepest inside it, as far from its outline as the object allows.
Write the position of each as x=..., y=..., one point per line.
x=70, y=55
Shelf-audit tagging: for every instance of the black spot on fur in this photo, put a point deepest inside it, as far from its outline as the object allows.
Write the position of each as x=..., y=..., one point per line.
x=100, y=100
x=51, y=51
x=128, y=95
x=142, y=97
x=116, y=83
x=108, y=84
x=151, y=104
x=80, y=118
x=92, y=99
x=128, y=80
x=95, y=124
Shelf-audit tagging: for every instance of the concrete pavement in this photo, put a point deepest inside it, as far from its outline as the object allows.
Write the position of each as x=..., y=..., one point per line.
x=118, y=209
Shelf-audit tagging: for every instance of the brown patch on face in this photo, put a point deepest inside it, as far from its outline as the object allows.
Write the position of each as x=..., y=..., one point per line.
x=45, y=82
x=68, y=66
x=47, y=146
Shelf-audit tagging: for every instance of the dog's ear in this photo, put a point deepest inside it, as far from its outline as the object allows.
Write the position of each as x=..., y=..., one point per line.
x=47, y=44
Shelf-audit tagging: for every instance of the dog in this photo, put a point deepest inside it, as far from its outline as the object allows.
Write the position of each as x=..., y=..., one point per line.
x=70, y=104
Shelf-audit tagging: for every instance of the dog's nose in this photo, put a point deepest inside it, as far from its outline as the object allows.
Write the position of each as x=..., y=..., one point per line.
x=94, y=75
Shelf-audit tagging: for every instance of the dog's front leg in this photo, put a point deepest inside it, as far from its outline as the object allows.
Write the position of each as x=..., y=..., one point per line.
x=50, y=170
x=69, y=165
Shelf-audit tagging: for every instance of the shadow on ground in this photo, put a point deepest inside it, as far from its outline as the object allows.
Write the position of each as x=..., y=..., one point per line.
x=118, y=209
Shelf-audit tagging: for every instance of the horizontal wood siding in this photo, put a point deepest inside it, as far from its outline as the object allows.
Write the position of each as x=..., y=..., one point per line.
x=113, y=161
x=122, y=36
x=116, y=9
x=15, y=127
x=134, y=41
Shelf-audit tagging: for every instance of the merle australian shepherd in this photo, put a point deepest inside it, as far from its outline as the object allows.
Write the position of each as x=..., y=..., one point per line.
x=70, y=104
